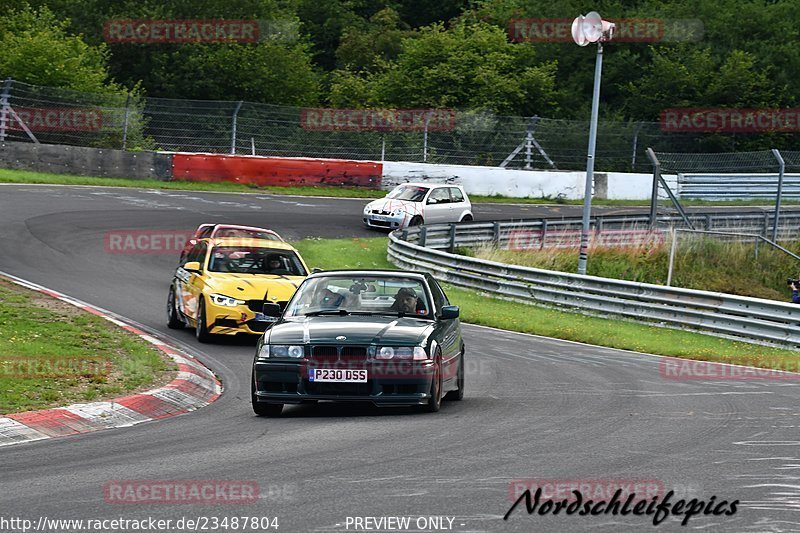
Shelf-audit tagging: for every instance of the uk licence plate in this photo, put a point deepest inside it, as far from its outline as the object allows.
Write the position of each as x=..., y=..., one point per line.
x=334, y=375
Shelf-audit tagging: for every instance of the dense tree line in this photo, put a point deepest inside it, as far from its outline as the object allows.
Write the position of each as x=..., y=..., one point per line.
x=405, y=53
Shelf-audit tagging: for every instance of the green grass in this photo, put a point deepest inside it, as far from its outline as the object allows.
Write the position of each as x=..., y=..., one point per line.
x=701, y=262
x=53, y=354
x=27, y=177
x=479, y=308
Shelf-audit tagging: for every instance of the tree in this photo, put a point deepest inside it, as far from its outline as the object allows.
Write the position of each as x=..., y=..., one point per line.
x=470, y=65
x=38, y=49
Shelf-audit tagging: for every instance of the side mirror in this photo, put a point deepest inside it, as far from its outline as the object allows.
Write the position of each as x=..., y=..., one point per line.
x=192, y=266
x=272, y=309
x=315, y=270
x=449, y=312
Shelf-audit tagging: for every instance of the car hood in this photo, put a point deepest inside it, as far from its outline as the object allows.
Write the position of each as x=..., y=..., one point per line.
x=253, y=287
x=383, y=330
x=387, y=204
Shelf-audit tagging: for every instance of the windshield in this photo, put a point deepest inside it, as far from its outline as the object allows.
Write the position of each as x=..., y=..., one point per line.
x=411, y=193
x=251, y=260
x=245, y=233
x=360, y=295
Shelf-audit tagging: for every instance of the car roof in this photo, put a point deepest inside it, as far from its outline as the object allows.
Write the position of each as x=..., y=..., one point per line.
x=428, y=184
x=250, y=242
x=377, y=273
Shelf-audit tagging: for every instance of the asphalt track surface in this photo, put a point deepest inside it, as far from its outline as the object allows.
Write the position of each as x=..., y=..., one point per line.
x=535, y=408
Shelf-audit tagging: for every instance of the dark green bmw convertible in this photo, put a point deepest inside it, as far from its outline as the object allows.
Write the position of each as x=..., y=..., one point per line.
x=383, y=336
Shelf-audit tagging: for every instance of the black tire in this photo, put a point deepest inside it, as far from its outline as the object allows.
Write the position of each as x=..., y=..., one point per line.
x=467, y=218
x=270, y=410
x=201, y=329
x=435, y=401
x=173, y=320
x=415, y=221
x=458, y=395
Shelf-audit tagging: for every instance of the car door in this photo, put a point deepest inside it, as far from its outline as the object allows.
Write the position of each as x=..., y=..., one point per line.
x=437, y=206
x=189, y=285
x=449, y=337
x=458, y=204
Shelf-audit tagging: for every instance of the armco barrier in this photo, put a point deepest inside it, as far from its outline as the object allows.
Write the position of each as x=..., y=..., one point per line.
x=281, y=171
x=750, y=319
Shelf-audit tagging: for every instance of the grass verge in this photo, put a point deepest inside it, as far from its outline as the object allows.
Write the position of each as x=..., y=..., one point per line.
x=27, y=177
x=53, y=354
x=478, y=308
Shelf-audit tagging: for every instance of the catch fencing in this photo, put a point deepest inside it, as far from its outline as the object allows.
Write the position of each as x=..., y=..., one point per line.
x=49, y=115
x=429, y=248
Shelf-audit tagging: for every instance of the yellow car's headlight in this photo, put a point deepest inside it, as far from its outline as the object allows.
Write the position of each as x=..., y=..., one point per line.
x=226, y=301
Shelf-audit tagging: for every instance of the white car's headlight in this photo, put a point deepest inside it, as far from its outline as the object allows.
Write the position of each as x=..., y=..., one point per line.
x=281, y=350
x=415, y=353
x=226, y=301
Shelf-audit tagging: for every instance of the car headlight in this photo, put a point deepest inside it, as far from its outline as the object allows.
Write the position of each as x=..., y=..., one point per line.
x=415, y=353
x=268, y=351
x=226, y=301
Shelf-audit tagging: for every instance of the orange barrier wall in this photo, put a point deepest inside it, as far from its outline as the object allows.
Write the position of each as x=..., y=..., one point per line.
x=275, y=170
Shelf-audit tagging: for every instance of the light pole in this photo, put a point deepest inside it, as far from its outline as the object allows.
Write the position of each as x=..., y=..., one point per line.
x=585, y=30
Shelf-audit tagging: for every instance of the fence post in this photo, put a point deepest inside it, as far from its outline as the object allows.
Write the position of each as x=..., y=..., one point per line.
x=233, y=126
x=125, y=123
x=4, y=96
x=781, y=168
x=635, y=145
x=673, y=244
x=654, y=194
x=425, y=137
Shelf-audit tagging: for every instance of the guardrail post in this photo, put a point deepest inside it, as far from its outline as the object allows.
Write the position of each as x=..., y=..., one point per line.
x=544, y=234
x=709, y=222
x=766, y=224
x=423, y=236
x=496, y=234
x=452, y=245
x=598, y=225
x=757, y=243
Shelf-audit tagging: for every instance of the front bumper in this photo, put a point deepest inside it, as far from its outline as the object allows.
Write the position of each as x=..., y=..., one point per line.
x=232, y=320
x=388, y=383
x=390, y=222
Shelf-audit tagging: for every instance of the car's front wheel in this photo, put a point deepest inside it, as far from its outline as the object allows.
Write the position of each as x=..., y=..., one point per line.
x=415, y=221
x=458, y=395
x=435, y=400
x=173, y=320
x=270, y=410
x=201, y=329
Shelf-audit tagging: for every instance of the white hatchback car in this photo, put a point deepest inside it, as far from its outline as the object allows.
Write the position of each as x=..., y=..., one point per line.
x=411, y=204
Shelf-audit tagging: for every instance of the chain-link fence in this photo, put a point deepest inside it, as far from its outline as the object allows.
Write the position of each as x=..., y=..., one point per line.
x=59, y=116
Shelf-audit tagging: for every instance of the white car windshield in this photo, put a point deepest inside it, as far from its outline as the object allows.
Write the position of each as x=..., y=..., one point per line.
x=410, y=193
x=343, y=295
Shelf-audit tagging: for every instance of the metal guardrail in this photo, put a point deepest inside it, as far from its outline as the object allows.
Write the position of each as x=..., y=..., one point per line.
x=426, y=248
x=736, y=186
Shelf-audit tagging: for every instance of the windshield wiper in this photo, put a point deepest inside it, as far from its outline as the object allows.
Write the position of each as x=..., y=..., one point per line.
x=340, y=312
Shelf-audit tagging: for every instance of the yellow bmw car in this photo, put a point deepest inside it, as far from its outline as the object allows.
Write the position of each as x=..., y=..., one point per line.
x=222, y=285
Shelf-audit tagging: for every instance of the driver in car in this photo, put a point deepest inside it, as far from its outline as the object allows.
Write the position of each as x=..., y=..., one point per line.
x=405, y=301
